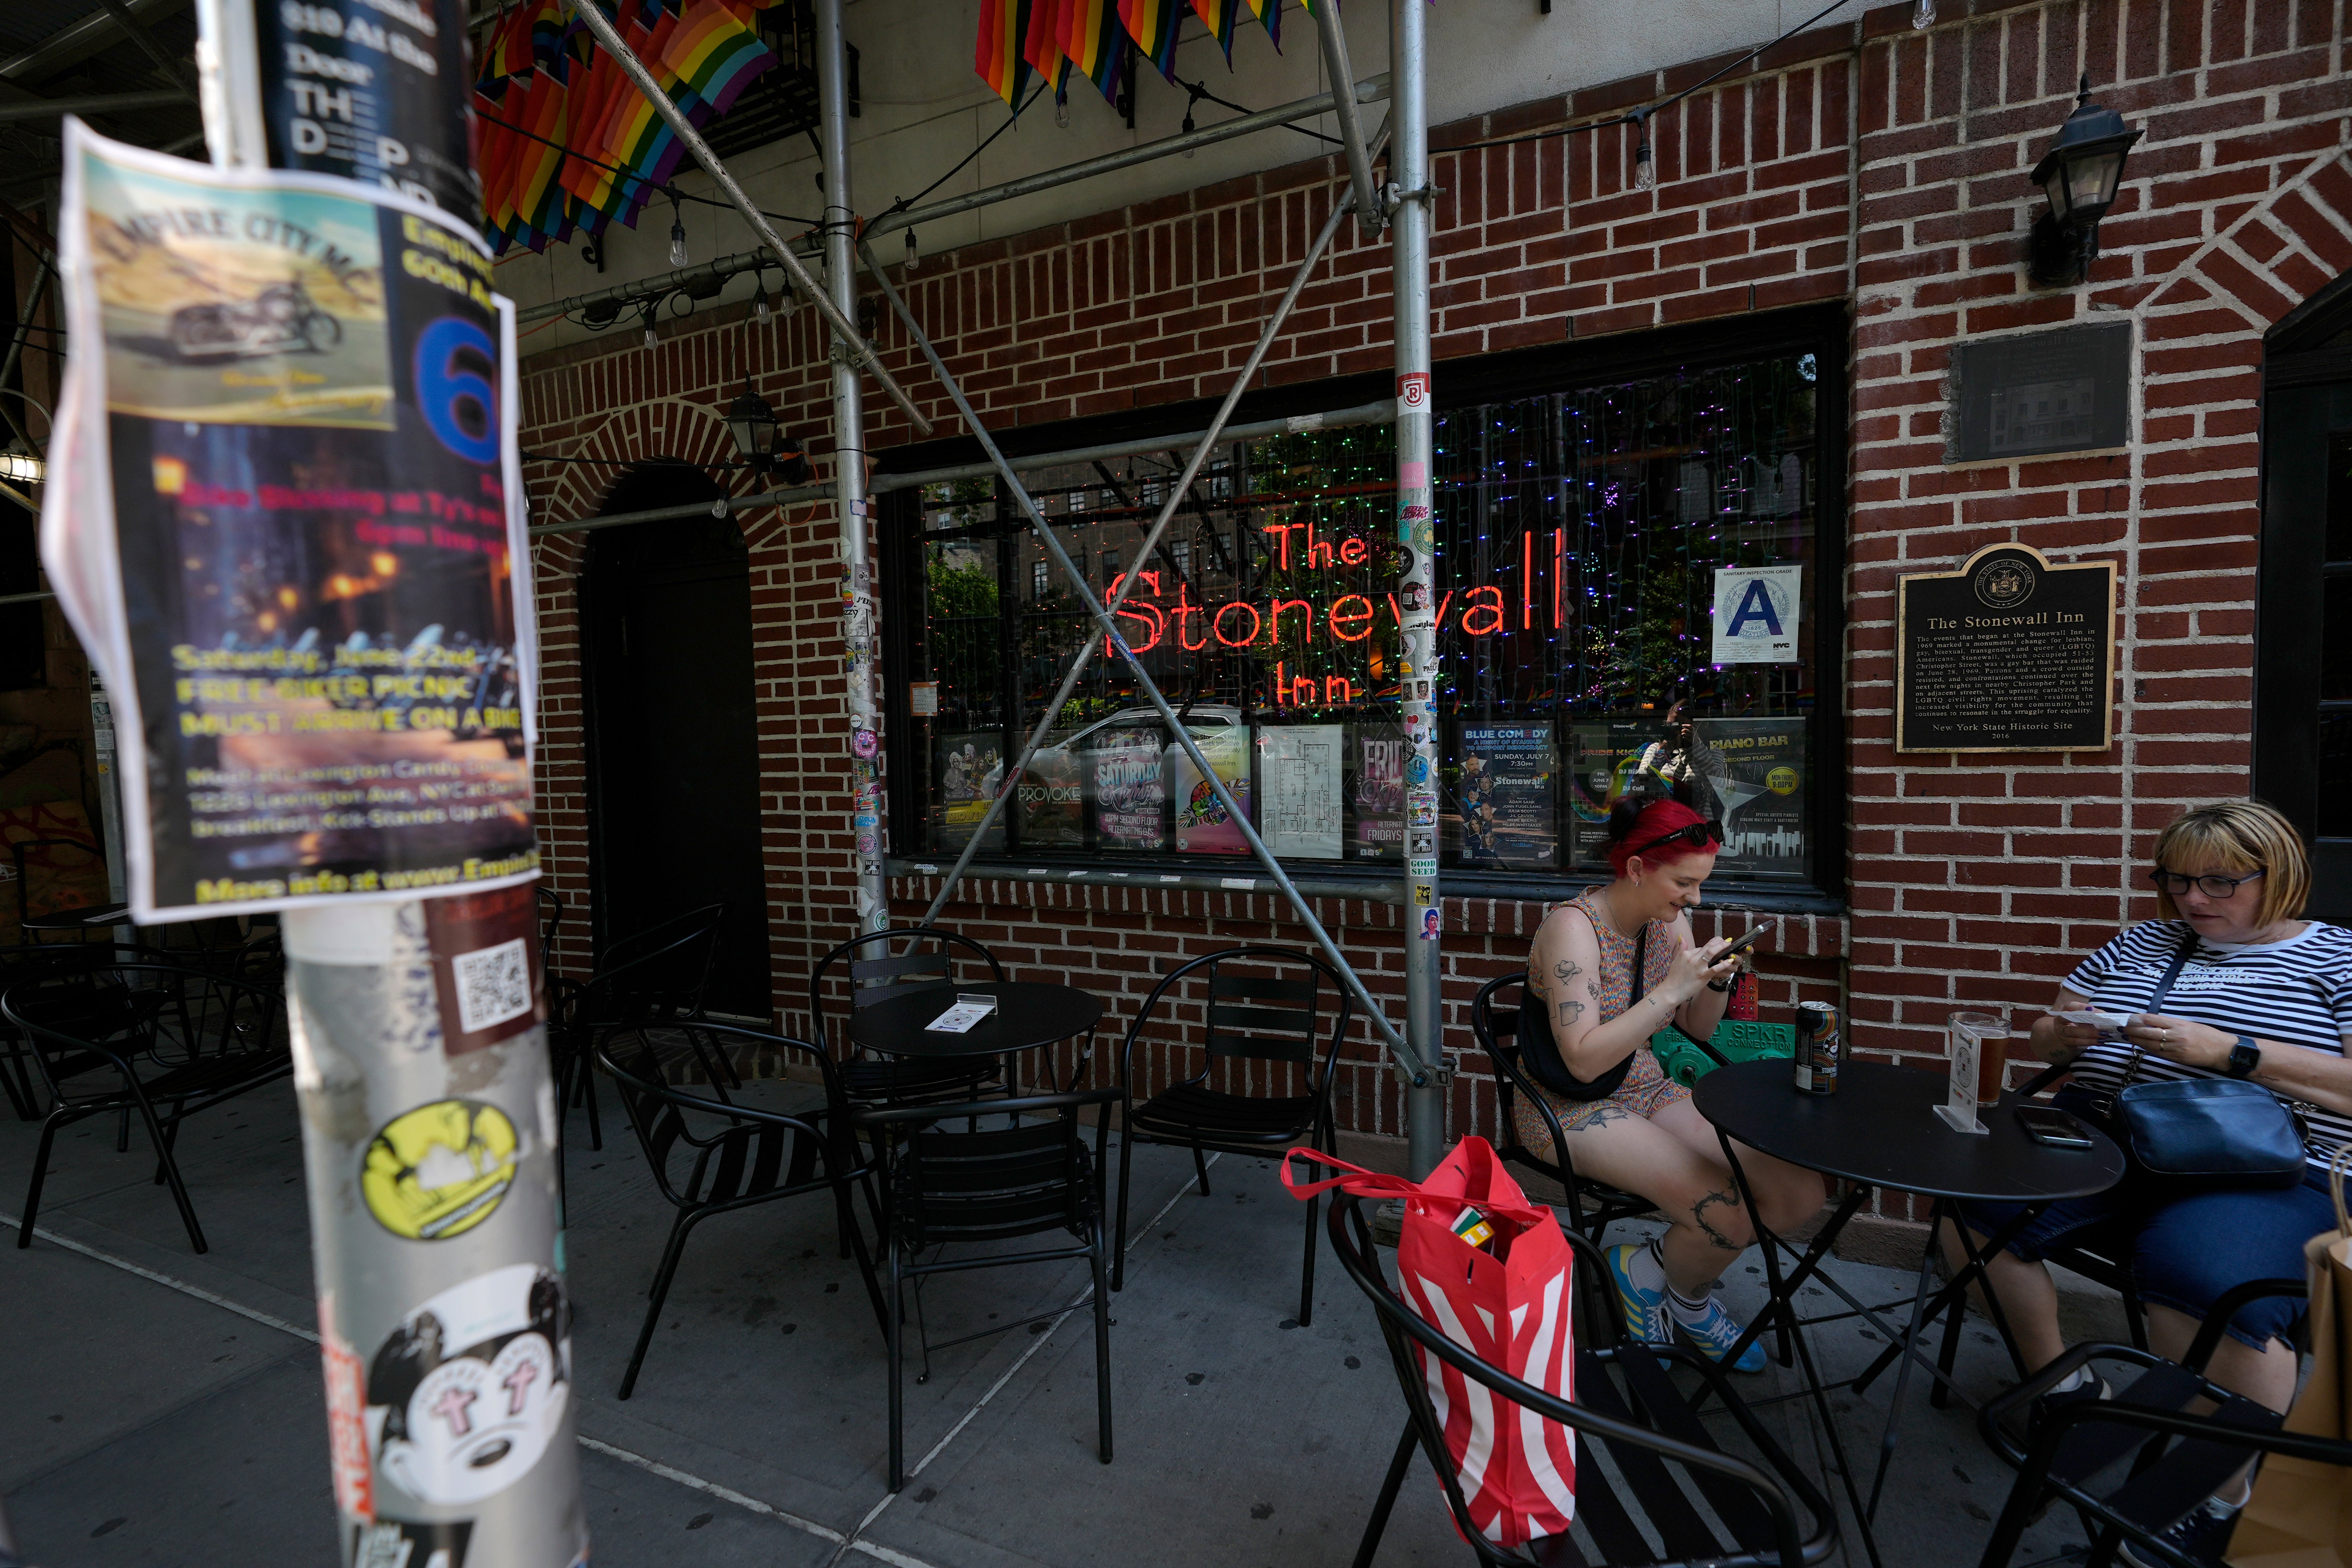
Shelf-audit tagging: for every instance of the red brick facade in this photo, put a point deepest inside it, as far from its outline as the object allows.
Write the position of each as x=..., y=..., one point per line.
x=1870, y=164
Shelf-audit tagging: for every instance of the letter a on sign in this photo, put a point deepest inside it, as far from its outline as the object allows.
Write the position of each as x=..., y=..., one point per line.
x=1756, y=610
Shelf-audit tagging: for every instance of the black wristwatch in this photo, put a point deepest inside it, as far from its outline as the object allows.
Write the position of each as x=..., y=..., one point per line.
x=2244, y=1056
x=1721, y=984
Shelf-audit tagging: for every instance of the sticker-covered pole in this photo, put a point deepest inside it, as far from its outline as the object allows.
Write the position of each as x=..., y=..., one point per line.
x=861, y=646
x=1417, y=658
x=430, y=1123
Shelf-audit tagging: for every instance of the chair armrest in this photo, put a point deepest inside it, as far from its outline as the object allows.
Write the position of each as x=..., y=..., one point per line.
x=2225, y=1307
x=1998, y=1409
x=2039, y=1081
x=1717, y=1058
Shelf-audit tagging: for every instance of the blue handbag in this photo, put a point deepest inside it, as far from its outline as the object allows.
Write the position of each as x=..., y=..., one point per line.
x=2212, y=1131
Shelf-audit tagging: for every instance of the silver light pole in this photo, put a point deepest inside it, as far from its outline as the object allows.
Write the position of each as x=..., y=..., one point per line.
x=861, y=646
x=1417, y=663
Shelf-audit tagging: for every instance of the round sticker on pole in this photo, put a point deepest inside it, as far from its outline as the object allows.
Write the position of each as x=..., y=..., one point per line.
x=863, y=743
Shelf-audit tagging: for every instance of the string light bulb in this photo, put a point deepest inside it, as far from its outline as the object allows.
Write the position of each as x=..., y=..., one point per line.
x=1061, y=112
x=1923, y=14
x=760, y=311
x=653, y=308
x=914, y=256
x=676, y=234
x=1189, y=126
x=1645, y=172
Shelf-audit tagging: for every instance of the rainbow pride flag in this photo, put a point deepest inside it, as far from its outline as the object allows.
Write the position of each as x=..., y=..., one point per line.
x=1094, y=43
x=998, y=55
x=1153, y=26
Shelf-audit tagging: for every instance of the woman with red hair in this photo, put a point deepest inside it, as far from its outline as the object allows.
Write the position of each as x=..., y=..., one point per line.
x=1609, y=969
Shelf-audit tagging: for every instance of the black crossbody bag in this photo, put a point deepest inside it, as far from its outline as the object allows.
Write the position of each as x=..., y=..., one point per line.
x=2212, y=1131
x=1540, y=1046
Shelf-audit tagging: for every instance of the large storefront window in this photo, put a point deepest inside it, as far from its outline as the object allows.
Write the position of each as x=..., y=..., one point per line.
x=1583, y=536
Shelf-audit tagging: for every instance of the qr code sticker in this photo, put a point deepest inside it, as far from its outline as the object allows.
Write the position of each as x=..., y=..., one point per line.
x=493, y=986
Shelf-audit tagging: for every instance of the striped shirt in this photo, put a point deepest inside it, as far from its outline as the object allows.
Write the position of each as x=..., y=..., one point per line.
x=2296, y=993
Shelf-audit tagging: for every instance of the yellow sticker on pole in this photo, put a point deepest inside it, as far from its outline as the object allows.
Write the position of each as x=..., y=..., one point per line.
x=440, y=1170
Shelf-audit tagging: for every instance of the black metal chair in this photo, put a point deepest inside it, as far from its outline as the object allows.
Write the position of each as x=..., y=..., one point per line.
x=1251, y=1016
x=134, y=1037
x=2076, y=1453
x=656, y=976
x=24, y=879
x=549, y=904
x=926, y=963
x=996, y=1184
x=1626, y=1406
x=1494, y=1020
x=37, y=961
x=711, y=1156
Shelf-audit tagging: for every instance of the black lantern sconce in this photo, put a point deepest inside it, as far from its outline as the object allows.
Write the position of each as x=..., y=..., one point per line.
x=2081, y=174
x=762, y=443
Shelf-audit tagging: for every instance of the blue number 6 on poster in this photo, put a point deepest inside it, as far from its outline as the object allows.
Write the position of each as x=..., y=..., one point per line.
x=455, y=361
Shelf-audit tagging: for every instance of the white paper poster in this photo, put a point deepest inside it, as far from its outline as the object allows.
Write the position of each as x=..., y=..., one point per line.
x=1756, y=610
x=1299, y=767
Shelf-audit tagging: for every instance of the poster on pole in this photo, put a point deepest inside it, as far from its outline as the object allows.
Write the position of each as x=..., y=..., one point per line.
x=287, y=522
x=1755, y=611
x=1506, y=794
x=1376, y=791
x=1129, y=788
x=1299, y=772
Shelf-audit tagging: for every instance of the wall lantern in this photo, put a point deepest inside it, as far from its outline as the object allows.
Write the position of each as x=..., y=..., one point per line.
x=2081, y=175
x=762, y=443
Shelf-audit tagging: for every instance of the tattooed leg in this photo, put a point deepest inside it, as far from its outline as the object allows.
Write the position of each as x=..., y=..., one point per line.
x=1699, y=1217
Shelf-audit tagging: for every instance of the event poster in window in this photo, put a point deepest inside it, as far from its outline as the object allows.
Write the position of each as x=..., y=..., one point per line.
x=1126, y=781
x=968, y=766
x=1299, y=768
x=1504, y=791
x=1203, y=826
x=1052, y=796
x=1762, y=789
x=1590, y=769
x=1375, y=791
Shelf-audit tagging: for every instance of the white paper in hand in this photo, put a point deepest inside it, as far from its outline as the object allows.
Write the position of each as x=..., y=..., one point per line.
x=959, y=1019
x=2111, y=1026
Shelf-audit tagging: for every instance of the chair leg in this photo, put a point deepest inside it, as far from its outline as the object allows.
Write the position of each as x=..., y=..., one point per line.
x=1306, y=1273
x=1377, y=1526
x=891, y=1333
x=19, y=1085
x=171, y=1173
x=2134, y=1319
x=678, y=1230
x=588, y=1091
x=40, y=1171
x=1102, y=1347
x=1940, y=1394
x=855, y=1238
x=1125, y=1180
x=1201, y=1167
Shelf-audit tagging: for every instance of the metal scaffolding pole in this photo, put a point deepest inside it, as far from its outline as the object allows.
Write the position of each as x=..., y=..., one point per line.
x=1374, y=1014
x=1176, y=497
x=1334, y=39
x=1409, y=197
x=844, y=328
x=860, y=644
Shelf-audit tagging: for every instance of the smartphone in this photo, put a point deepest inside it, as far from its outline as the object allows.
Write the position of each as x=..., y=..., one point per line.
x=2054, y=1128
x=1747, y=939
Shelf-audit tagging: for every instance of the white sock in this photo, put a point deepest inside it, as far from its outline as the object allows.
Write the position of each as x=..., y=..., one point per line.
x=1686, y=1311
x=1646, y=1268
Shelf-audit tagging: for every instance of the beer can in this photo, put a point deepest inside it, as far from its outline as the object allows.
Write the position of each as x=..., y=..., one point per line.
x=1821, y=1047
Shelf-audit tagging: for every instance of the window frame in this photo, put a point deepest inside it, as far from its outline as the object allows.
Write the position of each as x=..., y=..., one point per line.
x=1825, y=332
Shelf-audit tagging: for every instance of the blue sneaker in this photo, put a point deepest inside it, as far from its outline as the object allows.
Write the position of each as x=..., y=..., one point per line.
x=1645, y=1311
x=1718, y=1332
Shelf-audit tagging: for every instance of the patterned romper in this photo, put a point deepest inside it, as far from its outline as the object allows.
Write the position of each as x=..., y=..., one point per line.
x=1646, y=1089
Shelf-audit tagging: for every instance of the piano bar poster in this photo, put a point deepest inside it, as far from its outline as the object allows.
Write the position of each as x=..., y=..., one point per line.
x=1503, y=788
x=286, y=520
x=1760, y=786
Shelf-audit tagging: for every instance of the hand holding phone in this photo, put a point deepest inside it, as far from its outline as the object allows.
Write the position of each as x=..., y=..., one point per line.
x=1748, y=939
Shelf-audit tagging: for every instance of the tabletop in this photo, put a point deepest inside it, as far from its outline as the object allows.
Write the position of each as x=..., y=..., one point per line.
x=1880, y=1128
x=1027, y=1014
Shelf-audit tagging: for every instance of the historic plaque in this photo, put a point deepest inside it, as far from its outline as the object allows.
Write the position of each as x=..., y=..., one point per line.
x=2068, y=390
x=2007, y=653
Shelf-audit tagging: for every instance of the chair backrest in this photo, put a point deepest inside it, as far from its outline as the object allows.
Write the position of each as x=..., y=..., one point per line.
x=1264, y=1004
x=1633, y=1450
x=176, y=1012
x=881, y=970
x=656, y=973
x=550, y=909
x=994, y=1183
x=24, y=882
x=664, y=1115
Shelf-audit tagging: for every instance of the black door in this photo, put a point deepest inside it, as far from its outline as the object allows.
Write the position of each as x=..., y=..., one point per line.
x=673, y=754
x=2303, y=637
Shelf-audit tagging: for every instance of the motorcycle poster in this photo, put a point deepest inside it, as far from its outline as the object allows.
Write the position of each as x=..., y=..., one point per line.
x=287, y=522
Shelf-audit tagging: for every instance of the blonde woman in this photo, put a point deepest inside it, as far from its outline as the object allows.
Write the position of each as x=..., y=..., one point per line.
x=2264, y=996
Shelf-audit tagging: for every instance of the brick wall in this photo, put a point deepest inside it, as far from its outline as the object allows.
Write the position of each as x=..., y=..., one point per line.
x=1868, y=163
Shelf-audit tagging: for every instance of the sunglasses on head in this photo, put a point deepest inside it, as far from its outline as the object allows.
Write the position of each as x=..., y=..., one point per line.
x=1698, y=835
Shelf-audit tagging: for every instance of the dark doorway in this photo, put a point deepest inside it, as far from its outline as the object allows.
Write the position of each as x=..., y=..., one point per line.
x=673, y=753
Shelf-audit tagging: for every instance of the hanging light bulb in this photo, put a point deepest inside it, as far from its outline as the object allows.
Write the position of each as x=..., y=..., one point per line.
x=1061, y=112
x=676, y=234
x=1645, y=173
x=1189, y=126
x=914, y=256
x=653, y=309
x=1923, y=13
x=760, y=311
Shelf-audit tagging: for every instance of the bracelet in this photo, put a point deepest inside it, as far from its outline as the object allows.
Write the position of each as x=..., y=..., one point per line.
x=1722, y=984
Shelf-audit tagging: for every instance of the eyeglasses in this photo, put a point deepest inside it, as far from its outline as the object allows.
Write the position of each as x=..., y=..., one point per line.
x=2211, y=887
x=1698, y=835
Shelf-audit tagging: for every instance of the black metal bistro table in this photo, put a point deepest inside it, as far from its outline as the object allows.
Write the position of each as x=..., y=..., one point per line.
x=85, y=918
x=1880, y=1130
x=1029, y=1013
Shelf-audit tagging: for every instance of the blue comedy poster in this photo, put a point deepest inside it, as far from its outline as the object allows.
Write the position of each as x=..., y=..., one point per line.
x=1505, y=788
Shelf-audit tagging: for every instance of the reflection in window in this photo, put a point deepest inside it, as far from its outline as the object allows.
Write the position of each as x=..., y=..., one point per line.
x=1582, y=540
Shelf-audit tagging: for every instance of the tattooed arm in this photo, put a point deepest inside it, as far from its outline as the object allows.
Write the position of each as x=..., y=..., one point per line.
x=1564, y=979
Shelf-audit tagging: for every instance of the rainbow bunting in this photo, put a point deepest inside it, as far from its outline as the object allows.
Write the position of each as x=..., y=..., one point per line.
x=1042, y=44
x=1154, y=25
x=1218, y=16
x=1094, y=43
x=1270, y=13
x=997, y=55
